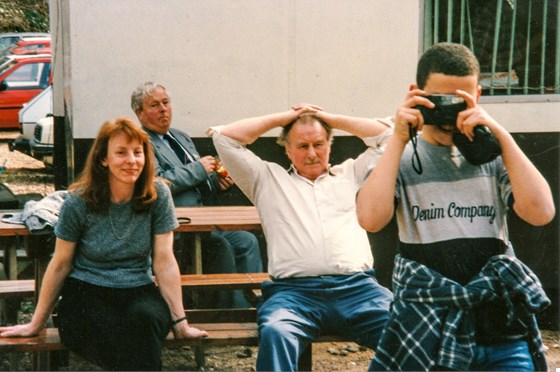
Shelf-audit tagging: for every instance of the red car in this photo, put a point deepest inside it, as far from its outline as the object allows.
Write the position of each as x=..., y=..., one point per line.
x=7, y=39
x=21, y=78
x=28, y=46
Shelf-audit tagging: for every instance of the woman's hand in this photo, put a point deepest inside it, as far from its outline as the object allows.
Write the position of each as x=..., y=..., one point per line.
x=183, y=330
x=19, y=330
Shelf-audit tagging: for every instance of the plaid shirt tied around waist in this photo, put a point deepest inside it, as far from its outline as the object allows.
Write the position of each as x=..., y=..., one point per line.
x=431, y=324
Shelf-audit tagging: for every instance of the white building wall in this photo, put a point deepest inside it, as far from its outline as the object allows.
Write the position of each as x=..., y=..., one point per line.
x=226, y=60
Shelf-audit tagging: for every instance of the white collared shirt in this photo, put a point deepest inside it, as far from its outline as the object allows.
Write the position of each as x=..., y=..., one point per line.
x=311, y=228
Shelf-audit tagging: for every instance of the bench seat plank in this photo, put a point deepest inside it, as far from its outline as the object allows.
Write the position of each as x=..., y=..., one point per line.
x=47, y=340
x=224, y=281
x=219, y=334
x=17, y=288
x=26, y=288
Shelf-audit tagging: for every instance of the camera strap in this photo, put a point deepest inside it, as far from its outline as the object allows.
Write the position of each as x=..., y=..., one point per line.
x=416, y=164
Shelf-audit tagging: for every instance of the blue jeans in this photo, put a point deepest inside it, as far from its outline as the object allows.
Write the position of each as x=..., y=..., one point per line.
x=232, y=252
x=296, y=311
x=512, y=356
x=246, y=250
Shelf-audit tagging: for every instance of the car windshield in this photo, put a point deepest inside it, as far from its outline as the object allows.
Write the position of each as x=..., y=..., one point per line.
x=6, y=64
x=7, y=51
x=6, y=42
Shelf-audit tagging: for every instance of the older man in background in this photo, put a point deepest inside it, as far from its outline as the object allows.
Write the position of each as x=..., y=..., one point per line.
x=194, y=183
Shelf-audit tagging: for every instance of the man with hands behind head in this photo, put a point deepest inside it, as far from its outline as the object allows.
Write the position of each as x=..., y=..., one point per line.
x=194, y=183
x=462, y=299
x=320, y=260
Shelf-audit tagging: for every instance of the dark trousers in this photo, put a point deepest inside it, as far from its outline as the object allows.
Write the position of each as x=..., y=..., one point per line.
x=118, y=329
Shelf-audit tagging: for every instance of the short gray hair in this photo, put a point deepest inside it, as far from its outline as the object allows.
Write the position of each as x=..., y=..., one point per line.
x=142, y=91
x=283, y=139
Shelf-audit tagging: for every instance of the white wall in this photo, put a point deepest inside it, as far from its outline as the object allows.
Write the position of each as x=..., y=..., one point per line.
x=223, y=60
x=530, y=117
x=226, y=60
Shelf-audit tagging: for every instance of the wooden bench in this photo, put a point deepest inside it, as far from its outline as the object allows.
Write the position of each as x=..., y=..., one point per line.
x=17, y=288
x=225, y=326
x=11, y=294
x=26, y=288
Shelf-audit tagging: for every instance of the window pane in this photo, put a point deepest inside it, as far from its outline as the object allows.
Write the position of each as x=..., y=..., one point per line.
x=28, y=76
x=516, y=41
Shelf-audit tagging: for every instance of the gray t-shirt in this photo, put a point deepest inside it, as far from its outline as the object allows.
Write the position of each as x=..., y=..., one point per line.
x=452, y=217
x=114, y=248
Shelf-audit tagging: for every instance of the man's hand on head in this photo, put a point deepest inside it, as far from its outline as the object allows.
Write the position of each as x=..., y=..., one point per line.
x=307, y=107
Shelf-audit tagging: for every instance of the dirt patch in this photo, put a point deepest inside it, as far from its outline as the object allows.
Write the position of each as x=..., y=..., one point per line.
x=21, y=173
x=326, y=357
x=227, y=358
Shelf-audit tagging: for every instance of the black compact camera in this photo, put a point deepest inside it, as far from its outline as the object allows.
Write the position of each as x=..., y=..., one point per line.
x=484, y=147
x=448, y=106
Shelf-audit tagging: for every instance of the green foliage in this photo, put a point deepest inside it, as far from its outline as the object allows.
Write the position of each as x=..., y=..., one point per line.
x=24, y=16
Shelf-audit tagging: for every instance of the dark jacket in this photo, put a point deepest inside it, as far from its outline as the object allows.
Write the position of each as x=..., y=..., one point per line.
x=185, y=179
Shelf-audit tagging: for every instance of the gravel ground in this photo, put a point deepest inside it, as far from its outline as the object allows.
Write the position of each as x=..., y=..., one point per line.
x=21, y=173
x=24, y=174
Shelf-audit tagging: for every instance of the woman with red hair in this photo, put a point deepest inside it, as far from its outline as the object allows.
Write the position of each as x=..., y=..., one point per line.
x=114, y=234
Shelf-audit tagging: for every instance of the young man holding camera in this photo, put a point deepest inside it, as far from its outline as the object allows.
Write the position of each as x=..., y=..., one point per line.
x=462, y=300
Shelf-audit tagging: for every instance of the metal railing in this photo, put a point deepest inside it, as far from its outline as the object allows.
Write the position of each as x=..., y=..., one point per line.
x=517, y=42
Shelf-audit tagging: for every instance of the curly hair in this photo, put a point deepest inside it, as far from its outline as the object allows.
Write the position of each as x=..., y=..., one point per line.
x=448, y=59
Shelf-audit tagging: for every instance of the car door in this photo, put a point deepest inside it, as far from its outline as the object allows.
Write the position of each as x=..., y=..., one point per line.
x=18, y=85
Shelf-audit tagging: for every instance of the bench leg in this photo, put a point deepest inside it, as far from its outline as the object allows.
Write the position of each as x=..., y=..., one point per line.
x=305, y=361
x=200, y=357
x=57, y=359
x=10, y=259
x=49, y=360
x=9, y=308
x=14, y=361
x=41, y=361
